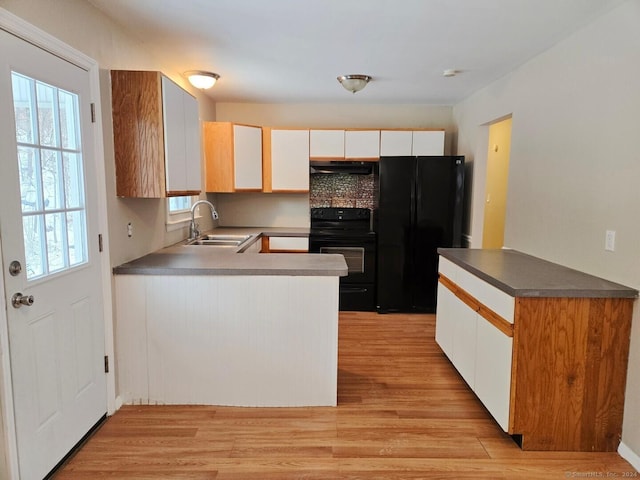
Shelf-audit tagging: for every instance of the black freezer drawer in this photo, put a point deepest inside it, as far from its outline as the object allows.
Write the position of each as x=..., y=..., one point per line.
x=357, y=297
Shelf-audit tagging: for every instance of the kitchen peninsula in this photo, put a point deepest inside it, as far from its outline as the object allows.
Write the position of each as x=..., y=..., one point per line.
x=543, y=346
x=226, y=325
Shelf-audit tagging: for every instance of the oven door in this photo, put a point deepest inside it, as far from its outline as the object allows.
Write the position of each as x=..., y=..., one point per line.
x=359, y=255
x=357, y=289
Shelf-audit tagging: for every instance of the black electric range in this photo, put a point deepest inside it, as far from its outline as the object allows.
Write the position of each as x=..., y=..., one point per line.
x=349, y=232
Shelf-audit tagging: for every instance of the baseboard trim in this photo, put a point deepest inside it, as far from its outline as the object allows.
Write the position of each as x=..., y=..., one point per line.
x=629, y=455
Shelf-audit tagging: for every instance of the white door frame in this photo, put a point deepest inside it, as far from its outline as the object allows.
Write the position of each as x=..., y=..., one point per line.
x=39, y=38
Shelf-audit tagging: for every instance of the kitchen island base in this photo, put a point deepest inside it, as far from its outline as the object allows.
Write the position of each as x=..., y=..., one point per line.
x=236, y=340
x=544, y=347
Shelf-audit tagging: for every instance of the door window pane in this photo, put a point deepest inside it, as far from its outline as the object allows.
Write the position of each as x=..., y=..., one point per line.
x=51, y=167
x=51, y=176
x=29, y=167
x=69, y=128
x=48, y=125
x=76, y=237
x=34, y=251
x=24, y=106
x=72, y=167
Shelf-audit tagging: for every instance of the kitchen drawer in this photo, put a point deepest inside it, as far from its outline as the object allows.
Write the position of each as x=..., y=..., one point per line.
x=488, y=295
x=448, y=269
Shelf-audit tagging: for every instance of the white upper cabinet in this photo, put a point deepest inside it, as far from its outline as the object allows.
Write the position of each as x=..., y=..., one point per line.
x=233, y=157
x=427, y=142
x=396, y=143
x=411, y=143
x=289, y=161
x=156, y=136
x=181, y=139
x=247, y=147
x=362, y=144
x=326, y=144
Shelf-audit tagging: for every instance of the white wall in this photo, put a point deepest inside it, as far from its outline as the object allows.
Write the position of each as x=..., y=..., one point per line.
x=293, y=210
x=82, y=26
x=575, y=161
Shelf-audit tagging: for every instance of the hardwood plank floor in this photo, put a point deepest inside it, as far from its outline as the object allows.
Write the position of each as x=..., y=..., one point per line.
x=403, y=413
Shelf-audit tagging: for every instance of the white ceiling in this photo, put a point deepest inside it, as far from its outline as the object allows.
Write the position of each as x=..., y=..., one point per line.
x=282, y=51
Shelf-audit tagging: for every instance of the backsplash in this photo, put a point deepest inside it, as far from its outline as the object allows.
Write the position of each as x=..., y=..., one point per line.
x=343, y=190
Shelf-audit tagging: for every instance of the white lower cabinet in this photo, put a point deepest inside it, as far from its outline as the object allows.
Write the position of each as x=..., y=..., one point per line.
x=492, y=384
x=289, y=244
x=456, y=333
x=550, y=368
x=480, y=352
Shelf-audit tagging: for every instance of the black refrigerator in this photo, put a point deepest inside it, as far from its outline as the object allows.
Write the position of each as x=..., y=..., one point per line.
x=419, y=210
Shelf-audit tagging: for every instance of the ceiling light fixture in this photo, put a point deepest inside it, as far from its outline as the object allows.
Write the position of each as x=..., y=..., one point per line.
x=201, y=79
x=354, y=83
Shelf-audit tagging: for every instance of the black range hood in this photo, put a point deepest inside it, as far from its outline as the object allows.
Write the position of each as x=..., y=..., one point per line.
x=351, y=167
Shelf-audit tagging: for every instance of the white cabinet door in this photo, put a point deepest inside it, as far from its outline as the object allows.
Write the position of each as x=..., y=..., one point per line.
x=428, y=142
x=464, y=342
x=362, y=144
x=247, y=148
x=395, y=143
x=181, y=139
x=456, y=333
x=445, y=319
x=289, y=244
x=493, y=371
x=326, y=144
x=290, y=160
x=193, y=153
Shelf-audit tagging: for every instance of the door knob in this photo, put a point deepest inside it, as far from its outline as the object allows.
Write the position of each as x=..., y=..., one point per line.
x=19, y=300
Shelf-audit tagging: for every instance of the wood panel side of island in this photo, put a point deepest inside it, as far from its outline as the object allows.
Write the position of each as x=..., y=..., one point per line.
x=569, y=372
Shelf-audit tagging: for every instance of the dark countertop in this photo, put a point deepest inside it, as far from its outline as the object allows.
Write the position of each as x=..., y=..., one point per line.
x=181, y=259
x=522, y=275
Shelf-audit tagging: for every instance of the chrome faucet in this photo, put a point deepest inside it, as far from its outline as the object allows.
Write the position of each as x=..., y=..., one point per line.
x=193, y=226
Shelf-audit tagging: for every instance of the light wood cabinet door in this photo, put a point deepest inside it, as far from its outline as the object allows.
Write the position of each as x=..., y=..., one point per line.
x=289, y=161
x=155, y=150
x=326, y=144
x=427, y=142
x=362, y=144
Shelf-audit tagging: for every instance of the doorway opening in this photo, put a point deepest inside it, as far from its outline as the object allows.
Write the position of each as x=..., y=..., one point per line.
x=495, y=207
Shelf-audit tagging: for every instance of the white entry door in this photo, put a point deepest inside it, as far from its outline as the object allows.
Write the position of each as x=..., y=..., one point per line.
x=50, y=258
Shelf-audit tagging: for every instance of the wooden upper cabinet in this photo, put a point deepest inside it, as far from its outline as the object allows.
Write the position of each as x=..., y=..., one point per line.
x=233, y=157
x=362, y=144
x=411, y=142
x=156, y=136
x=326, y=144
x=286, y=160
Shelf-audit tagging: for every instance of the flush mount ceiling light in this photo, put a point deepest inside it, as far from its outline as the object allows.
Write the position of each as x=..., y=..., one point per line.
x=201, y=79
x=354, y=83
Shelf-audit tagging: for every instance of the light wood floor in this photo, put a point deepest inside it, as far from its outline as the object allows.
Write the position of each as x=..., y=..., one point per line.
x=403, y=413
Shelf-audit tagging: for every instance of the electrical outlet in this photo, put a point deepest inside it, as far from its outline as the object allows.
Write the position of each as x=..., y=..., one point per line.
x=610, y=240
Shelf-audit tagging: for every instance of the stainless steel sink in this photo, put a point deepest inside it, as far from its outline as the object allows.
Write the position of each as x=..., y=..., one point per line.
x=227, y=238
x=220, y=240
